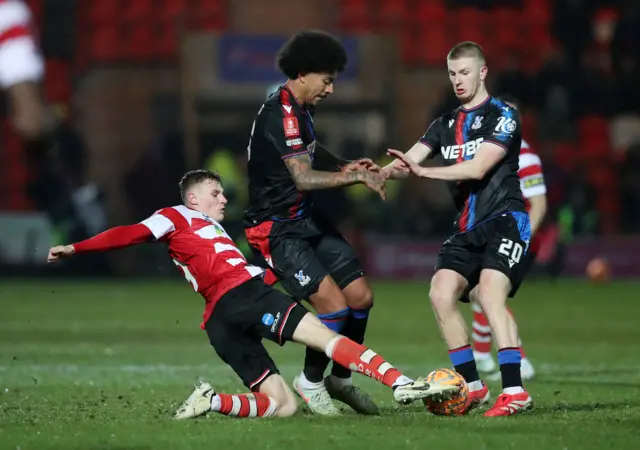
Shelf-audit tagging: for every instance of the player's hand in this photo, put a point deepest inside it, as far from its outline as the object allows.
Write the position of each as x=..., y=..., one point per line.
x=60, y=252
x=404, y=163
x=361, y=164
x=375, y=181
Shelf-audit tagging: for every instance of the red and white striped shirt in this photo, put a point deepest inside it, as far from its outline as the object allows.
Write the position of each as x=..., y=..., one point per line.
x=20, y=59
x=531, y=181
x=203, y=251
x=530, y=173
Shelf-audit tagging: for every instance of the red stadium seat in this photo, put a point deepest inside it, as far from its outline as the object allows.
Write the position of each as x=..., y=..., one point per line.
x=565, y=155
x=593, y=128
x=355, y=16
x=468, y=16
x=137, y=11
x=172, y=10
x=57, y=83
x=412, y=52
x=141, y=42
x=393, y=13
x=537, y=11
x=435, y=42
x=102, y=12
x=208, y=14
x=429, y=12
x=167, y=45
x=106, y=43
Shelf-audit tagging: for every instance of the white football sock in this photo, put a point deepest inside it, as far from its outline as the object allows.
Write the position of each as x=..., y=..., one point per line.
x=306, y=384
x=513, y=390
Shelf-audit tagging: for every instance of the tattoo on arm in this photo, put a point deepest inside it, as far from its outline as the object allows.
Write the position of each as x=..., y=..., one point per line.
x=307, y=179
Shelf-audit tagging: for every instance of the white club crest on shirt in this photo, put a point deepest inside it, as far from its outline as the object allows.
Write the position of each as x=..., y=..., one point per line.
x=477, y=123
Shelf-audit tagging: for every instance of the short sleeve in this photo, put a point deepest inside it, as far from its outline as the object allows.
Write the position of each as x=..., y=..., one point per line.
x=503, y=128
x=159, y=224
x=432, y=137
x=283, y=131
x=531, y=175
x=20, y=59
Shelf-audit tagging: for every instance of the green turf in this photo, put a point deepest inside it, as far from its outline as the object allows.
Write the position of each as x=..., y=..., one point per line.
x=103, y=366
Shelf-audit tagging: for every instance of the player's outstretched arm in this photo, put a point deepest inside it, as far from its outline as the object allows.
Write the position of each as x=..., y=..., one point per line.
x=114, y=238
x=329, y=159
x=399, y=169
x=307, y=179
x=487, y=156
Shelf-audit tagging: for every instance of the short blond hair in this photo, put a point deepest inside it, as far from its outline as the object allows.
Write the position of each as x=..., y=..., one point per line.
x=466, y=49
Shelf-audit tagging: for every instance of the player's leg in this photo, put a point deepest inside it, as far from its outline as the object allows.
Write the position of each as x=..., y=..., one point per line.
x=335, y=254
x=294, y=263
x=297, y=324
x=481, y=336
x=246, y=355
x=457, y=268
x=503, y=253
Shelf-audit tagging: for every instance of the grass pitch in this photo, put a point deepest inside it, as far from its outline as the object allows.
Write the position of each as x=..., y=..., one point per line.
x=104, y=365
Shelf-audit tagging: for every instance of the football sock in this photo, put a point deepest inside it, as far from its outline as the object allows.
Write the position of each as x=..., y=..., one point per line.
x=359, y=358
x=315, y=363
x=355, y=329
x=481, y=334
x=464, y=364
x=509, y=360
x=255, y=404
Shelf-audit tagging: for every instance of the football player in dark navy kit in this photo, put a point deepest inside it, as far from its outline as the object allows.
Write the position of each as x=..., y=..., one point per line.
x=307, y=254
x=480, y=146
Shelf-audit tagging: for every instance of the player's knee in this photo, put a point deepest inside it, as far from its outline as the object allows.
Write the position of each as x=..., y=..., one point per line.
x=475, y=298
x=329, y=298
x=441, y=298
x=362, y=299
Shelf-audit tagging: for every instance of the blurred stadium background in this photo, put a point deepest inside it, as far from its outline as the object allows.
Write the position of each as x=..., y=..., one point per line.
x=146, y=89
x=149, y=88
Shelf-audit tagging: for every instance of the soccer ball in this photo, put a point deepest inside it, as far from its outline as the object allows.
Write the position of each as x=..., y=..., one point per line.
x=598, y=270
x=454, y=406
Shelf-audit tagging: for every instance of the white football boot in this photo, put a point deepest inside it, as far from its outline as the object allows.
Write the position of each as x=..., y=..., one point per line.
x=198, y=404
x=420, y=388
x=317, y=399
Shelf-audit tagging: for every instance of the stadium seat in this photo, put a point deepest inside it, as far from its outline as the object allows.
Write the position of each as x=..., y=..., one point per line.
x=167, y=44
x=412, y=52
x=565, y=155
x=392, y=14
x=102, y=12
x=593, y=128
x=429, y=12
x=506, y=29
x=208, y=15
x=355, y=16
x=435, y=41
x=57, y=83
x=137, y=11
x=529, y=126
x=106, y=44
x=537, y=11
x=172, y=10
x=141, y=42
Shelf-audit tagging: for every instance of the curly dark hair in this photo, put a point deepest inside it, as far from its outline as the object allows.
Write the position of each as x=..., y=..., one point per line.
x=311, y=51
x=194, y=177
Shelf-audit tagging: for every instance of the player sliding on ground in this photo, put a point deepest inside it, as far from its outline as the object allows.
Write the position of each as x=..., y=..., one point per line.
x=241, y=310
x=480, y=143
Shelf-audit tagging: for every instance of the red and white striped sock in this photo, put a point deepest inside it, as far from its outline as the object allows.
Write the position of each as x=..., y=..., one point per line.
x=481, y=334
x=255, y=404
x=359, y=358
